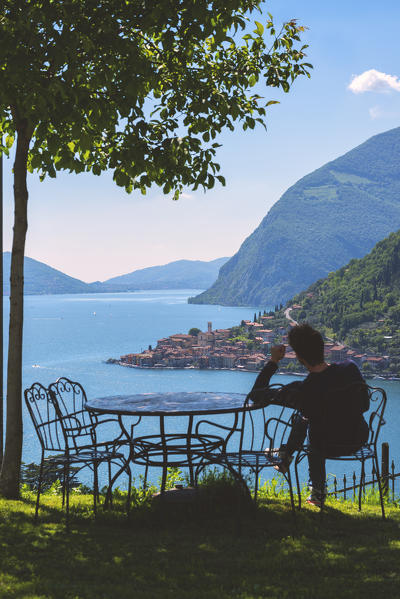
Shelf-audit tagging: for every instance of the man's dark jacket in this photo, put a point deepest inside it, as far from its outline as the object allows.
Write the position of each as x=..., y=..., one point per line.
x=333, y=401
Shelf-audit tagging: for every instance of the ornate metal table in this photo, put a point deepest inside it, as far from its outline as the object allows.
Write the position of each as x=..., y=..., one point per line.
x=190, y=448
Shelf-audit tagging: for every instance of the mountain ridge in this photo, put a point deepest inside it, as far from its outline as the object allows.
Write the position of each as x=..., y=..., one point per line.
x=40, y=278
x=177, y=271
x=336, y=213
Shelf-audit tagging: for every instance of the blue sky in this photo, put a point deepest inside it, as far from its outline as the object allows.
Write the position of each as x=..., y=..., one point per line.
x=90, y=229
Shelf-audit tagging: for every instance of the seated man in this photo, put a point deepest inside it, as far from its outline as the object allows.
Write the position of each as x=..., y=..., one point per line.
x=331, y=401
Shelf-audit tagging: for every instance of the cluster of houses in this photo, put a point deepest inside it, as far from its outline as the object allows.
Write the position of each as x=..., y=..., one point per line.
x=209, y=349
x=215, y=349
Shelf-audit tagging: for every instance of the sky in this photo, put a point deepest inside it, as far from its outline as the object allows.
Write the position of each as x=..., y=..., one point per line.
x=90, y=229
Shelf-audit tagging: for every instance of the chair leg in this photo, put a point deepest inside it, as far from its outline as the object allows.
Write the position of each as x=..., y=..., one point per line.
x=128, y=501
x=378, y=476
x=362, y=481
x=292, y=504
x=109, y=484
x=66, y=484
x=145, y=476
x=289, y=479
x=95, y=487
x=296, y=462
x=39, y=491
x=256, y=485
x=164, y=479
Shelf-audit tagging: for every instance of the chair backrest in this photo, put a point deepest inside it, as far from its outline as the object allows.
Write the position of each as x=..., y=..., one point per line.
x=278, y=428
x=79, y=424
x=269, y=425
x=378, y=399
x=44, y=412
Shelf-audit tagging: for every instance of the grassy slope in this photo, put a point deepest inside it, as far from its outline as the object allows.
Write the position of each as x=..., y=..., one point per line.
x=336, y=213
x=178, y=554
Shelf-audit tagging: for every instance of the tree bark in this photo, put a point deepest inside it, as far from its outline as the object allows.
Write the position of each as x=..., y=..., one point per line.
x=10, y=471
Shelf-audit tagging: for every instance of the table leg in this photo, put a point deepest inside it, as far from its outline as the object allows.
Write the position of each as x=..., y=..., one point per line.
x=125, y=466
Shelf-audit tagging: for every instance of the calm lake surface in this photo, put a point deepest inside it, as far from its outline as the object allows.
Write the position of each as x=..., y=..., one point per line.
x=73, y=335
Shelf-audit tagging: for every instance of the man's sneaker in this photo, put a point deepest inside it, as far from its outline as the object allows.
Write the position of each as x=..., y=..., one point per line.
x=316, y=498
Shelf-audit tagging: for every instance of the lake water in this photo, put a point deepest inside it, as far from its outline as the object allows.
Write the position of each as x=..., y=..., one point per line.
x=73, y=335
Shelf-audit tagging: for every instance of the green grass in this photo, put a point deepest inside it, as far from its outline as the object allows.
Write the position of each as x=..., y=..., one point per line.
x=198, y=550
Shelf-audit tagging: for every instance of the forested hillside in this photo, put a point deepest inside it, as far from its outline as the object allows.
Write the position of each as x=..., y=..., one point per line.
x=359, y=303
x=334, y=214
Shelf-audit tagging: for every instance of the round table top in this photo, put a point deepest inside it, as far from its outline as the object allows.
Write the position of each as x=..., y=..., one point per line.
x=179, y=403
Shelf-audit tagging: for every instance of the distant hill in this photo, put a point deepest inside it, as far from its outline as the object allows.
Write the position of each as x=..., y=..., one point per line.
x=184, y=274
x=330, y=216
x=42, y=279
x=360, y=302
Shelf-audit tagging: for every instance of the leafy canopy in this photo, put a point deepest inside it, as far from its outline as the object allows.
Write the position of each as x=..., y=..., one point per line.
x=141, y=87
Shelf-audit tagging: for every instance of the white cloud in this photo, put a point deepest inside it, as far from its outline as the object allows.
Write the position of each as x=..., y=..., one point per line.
x=374, y=81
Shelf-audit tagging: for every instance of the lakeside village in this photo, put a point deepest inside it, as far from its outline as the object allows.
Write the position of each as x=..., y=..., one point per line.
x=244, y=347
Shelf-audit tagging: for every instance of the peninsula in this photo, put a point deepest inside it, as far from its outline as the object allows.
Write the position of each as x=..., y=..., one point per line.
x=243, y=347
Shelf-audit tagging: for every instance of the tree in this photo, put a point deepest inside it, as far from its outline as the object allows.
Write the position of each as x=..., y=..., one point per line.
x=194, y=331
x=367, y=367
x=137, y=86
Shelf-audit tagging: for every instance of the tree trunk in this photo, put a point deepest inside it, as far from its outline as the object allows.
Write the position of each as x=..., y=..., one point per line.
x=10, y=472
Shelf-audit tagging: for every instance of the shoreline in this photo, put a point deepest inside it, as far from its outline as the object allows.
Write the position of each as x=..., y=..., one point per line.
x=388, y=377
x=237, y=369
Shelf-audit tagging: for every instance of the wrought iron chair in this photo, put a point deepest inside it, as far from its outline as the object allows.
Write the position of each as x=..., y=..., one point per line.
x=369, y=451
x=258, y=451
x=68, y=439
x=71, y=399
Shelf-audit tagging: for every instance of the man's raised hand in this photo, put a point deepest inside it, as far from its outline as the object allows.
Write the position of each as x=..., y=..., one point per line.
x=277, y=353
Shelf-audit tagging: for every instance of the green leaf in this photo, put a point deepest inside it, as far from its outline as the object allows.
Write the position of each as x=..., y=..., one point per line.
x=260, y=28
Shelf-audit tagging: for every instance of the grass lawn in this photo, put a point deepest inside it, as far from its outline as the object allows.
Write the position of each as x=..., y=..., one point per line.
x=179, y=550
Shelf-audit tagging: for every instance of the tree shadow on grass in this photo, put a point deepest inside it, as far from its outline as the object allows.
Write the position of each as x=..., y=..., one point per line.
x=179, y=550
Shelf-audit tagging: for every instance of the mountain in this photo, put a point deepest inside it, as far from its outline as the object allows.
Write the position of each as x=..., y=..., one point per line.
x=42, y=279
x=182, y=274
x=330, y=216
x=39, y=278
x=359, y=303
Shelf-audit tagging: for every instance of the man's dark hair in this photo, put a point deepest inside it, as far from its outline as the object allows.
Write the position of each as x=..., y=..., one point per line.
x=307, y=343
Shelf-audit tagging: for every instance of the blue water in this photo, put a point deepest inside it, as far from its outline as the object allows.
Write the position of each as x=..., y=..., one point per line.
x=73, y=335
